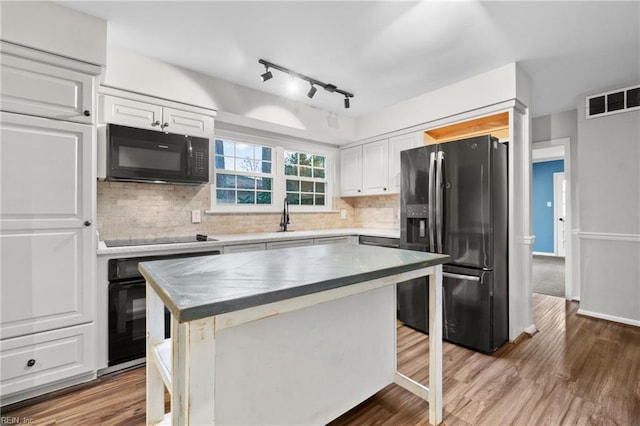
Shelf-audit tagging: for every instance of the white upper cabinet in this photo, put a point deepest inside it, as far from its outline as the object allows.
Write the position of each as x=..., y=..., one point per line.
x=45, y=85
x=351, y=171
x=375, y=167
x=145, y=115
x=364, y=169
x=396, y=145
x=189, y=123
x=130, y=113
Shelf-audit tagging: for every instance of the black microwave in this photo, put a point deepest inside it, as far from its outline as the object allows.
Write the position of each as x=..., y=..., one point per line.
x=141, y=155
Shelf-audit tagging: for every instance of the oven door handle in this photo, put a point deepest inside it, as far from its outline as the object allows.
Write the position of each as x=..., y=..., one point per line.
x=126, y=285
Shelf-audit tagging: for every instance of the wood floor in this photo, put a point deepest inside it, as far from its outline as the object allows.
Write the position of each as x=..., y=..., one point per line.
x=574, y=371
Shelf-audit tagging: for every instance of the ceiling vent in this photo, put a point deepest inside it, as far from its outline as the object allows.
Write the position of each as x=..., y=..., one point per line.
x=613, y=102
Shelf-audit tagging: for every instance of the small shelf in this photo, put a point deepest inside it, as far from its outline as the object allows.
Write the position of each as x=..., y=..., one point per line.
x=162, y=360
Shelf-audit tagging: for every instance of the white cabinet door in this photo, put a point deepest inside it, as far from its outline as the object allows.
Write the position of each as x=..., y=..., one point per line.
x=189, y=123
x=131, y=113
x=375, y=167
x=351, y=171
x=48, y=253
x=396, y=145
x=36, y=88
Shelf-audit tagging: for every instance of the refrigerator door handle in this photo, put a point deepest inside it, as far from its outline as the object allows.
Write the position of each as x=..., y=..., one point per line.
x=461, y=277
x=431, y=199
x=439, y=212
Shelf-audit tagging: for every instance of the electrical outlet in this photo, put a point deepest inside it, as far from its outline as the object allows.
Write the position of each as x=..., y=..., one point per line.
x=343, y=213
x=548, y=203
x=195, y=216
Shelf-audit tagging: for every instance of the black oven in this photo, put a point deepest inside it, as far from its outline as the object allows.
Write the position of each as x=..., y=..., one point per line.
x=152, y=156
x=127, y=307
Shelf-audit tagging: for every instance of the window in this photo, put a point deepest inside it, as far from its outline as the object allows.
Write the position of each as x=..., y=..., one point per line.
x=305, y=178
x=255, y=173
x=243, y=173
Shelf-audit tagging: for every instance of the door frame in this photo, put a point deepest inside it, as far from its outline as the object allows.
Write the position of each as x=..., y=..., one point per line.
x=571, y=283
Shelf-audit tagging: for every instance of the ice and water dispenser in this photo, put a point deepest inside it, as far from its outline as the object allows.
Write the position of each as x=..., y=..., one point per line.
x=417, y=223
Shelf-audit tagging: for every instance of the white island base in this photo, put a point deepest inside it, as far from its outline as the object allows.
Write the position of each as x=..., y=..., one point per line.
x=304, y=360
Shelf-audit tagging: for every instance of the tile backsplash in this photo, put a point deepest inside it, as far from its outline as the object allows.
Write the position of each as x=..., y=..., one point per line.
x=136, y=210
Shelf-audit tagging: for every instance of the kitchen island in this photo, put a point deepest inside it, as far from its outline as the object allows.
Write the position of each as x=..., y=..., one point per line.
x=288, y=336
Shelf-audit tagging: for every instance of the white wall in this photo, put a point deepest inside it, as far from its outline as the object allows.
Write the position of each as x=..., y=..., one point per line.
x=54, y=28
x=609, y=188
x=235, y=104
x=477, y=92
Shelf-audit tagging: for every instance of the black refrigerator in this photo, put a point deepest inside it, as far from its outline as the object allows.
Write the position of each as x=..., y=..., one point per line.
x=454, y=201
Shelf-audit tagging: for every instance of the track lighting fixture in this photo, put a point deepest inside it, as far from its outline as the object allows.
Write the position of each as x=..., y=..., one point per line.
x=267, y=75
x=312, y=91
x=331, y=88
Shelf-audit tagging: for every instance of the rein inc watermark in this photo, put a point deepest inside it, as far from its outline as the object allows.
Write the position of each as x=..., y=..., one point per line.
x=13, y=420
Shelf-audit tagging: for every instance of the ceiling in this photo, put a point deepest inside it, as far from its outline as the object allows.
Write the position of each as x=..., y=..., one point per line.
x=383, y=51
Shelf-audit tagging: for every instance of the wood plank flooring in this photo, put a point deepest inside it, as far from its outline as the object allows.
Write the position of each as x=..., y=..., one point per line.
x=575, y=371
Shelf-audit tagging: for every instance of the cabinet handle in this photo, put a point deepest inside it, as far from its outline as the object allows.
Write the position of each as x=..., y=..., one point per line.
x=384, y=189
x=31, y=362
x=359, y=190
x=155, y=123
x=87, y=113
x=165, y=124
x=87, y=223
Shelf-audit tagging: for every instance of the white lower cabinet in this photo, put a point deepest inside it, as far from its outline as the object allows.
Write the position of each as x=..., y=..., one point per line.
x=242, y=248
x=289, y=243
x=43, y=358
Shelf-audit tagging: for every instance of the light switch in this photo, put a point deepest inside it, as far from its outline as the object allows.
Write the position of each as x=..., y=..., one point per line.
x=195, y=216
x=548, y=203
x=343, y=213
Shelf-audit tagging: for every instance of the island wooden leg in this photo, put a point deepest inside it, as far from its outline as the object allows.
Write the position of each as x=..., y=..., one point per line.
x=155, y=335
x=193, y=372
x=435, y=346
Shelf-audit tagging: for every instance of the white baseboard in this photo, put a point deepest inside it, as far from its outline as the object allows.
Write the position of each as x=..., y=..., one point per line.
x=531, y=330
x=609, y=317
x=575, y=299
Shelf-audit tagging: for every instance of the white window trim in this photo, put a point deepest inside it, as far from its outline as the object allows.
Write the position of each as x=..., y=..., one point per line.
x=279, y=146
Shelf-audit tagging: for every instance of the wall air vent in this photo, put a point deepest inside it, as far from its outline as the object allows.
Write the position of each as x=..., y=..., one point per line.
x=613, y=102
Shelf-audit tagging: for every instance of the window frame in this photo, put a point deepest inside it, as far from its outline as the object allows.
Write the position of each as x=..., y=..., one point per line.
x=279, y=144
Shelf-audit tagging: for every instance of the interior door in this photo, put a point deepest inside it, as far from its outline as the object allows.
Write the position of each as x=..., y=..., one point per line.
x=559, y=212
x=466, y=200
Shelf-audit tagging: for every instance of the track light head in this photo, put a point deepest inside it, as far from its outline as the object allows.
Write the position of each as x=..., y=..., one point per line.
x=266, y=76
x=312, y=91
x=346, y=102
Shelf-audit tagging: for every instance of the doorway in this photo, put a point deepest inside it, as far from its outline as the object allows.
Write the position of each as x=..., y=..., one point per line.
x=551, y=218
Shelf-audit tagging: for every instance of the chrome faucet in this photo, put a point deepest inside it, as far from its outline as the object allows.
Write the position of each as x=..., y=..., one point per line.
x=284, y=220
